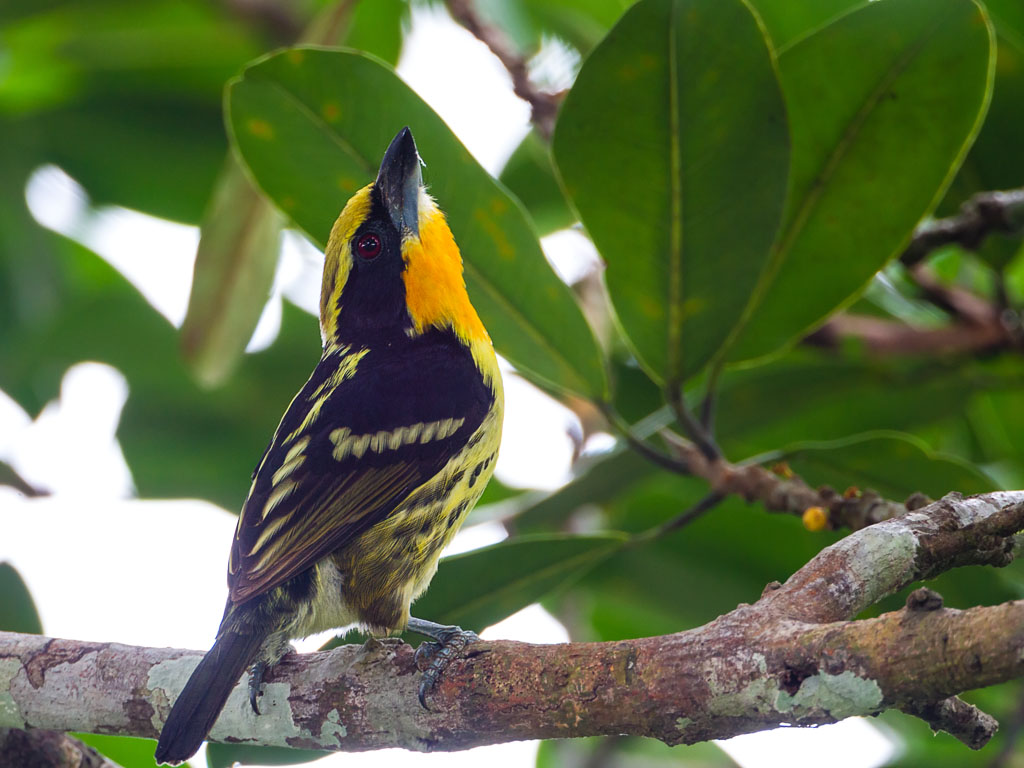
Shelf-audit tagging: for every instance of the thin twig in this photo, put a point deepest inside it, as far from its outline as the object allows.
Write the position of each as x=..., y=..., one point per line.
x=543, y=104
x=694, y=429
x=983, y=214
x=698, y=510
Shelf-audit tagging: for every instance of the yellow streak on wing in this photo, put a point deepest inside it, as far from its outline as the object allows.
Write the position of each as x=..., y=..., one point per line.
x=277, y=496
x=338, y=261
x=346, y=370
x=272, y=528
x=296, y=449
x=287, y=468
x=311, y=415
x=346, y=444
x=361, y=497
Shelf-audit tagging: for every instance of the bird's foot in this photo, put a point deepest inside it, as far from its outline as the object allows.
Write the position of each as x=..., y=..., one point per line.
x=448, y=643
x=256, y=684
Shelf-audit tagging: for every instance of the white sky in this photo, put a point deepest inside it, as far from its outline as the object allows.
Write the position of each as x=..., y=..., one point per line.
x=152, y=572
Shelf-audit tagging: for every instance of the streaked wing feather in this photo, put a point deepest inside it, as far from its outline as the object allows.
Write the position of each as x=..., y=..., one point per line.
x=334, y=510
x=301, y=509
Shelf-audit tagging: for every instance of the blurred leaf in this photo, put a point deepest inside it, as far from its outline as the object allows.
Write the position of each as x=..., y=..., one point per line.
x=862, y=95
x=786, y=21
x=530, y=176
x=810, y=396
x=178, y=440
x=377, y=28
x=988, y=165
x=606, y=477
x=689, y=577
x=11, y=478
x=125, y=751
x=241, y=231
x=628, y=752
x=892, y=463
x=159, y=156
x=675, y=132
x=17, y=610
x=582, y=23
x=298, y=120
x=479, y=588
x=227, y=755
x=234, y=272
x=161, y=46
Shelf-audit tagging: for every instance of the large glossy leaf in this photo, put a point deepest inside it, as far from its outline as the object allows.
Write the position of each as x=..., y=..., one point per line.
x=484, y=586
x=673, y=147
x=892, y=463
x=870, y=156
x=17, y=609
x=786, y=21
x=312, y=125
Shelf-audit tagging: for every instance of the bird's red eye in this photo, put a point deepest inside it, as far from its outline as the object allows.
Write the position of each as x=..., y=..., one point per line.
x=368, y=246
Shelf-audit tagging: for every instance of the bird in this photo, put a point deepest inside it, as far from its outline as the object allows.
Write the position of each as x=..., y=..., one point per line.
x=377, y=460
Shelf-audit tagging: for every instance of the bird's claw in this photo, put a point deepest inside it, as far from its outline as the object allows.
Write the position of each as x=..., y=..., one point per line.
x=435, y=657
x=256, y=684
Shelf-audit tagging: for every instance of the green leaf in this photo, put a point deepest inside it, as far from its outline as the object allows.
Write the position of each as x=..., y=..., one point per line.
x=870, y=157
x=988, y=165
x=892, y=463
x=17, y=610
x=300, y=122
x=607, y=477
x=530, y=176
x=811, y=396
x=234, y=272
x=582, y=23
x=376, y=27
x=178, y=439
x=152, y=154
x=687, y=578
x=629, y=752
x=124, y=751
x=484, y=586
x=673, y=147
x=786, y=21
x=228, y=755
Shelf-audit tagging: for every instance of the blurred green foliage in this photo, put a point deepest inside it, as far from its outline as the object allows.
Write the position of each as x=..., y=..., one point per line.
x=744, y=169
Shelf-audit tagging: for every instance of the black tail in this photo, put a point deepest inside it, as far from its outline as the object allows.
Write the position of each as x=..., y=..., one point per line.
x=203, y=697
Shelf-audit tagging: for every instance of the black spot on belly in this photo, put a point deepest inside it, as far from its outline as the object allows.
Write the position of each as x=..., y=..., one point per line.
x=476, y=473
x=456, y=513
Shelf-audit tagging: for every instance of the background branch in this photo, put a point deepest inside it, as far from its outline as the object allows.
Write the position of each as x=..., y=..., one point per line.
x=791, y=657
x=980, y=216
x=544, y=105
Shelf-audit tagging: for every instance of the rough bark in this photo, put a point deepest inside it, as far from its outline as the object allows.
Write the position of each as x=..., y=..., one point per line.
x=792, y=657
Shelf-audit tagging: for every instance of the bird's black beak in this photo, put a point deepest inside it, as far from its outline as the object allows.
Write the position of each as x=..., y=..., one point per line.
x=398, y=182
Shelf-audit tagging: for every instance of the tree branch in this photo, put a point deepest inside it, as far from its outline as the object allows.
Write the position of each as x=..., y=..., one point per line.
x=544, y=105
x=789, y=658
x=783, y=491
x=986, y=212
